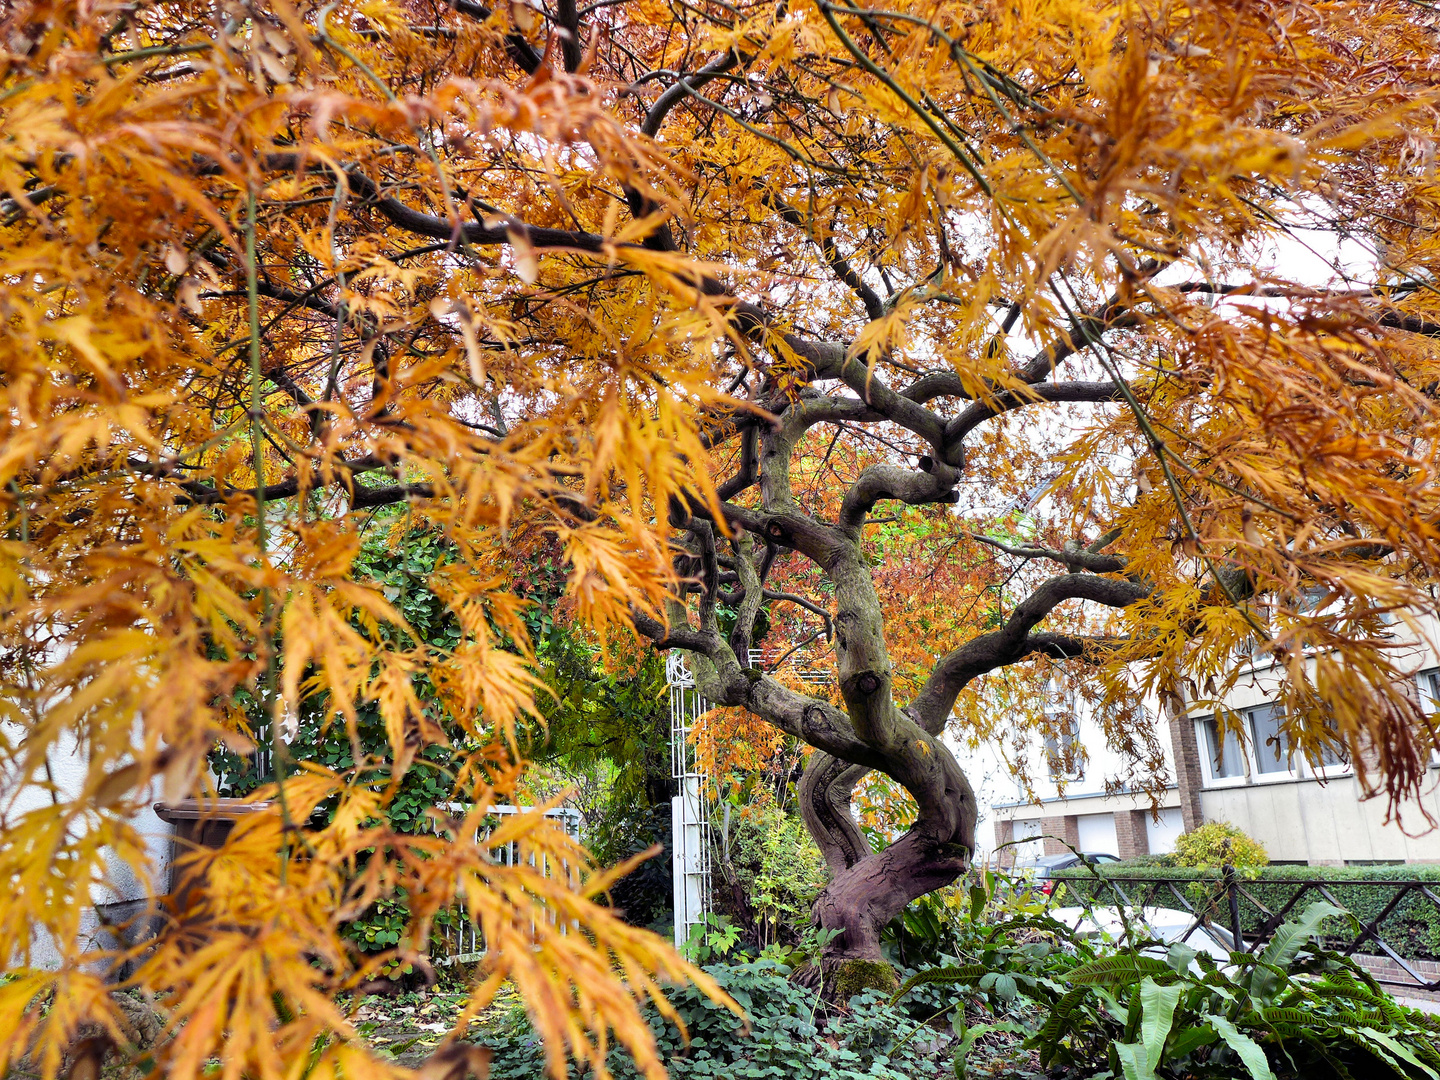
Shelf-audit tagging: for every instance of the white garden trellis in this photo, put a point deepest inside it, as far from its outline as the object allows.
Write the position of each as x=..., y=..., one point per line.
x=458, y=940
x=690, y=806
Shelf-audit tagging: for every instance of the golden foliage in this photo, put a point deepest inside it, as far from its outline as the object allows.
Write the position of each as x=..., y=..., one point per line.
x=268, y=266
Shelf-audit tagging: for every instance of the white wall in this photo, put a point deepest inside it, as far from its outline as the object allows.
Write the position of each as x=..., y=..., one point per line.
x=1162, y=834
x=69, y=769
x=1325, y=824
x=1001, y=796
x=1302, y=817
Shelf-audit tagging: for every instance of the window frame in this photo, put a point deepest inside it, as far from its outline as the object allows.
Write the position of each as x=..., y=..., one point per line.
x=1296, y=767
x=1329, y=772
x=1293, y=762
x=1429, y=699
x=1203, y=726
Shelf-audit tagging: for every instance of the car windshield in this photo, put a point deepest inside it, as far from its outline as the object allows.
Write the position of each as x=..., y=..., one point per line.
x=1055, y=862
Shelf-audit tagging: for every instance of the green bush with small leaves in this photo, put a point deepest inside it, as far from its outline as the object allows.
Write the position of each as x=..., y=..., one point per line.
x=1216, y=843
x=770, y=858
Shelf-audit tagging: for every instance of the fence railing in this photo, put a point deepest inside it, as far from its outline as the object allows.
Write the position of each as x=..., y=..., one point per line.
x=457, y=940
x=1400, y=923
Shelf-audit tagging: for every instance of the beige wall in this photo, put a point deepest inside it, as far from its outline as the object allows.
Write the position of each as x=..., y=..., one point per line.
x=1327, y=824
x=1095, y=804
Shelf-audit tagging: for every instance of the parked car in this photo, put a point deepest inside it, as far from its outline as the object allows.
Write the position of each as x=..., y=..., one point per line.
x=1042, y=871
x=1167, y=925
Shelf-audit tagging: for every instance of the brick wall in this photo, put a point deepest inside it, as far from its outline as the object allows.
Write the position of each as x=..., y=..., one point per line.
x=1399, y=981
x=1131, y=836
x=1004, y=834
x=1188, y=776
x=1060, y=828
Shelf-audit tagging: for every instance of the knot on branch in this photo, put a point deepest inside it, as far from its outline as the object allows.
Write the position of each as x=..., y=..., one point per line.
x=868, y=683
x=754, y=674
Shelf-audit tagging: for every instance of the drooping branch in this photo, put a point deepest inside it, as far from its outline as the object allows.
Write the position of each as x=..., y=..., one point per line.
x=198, y=493
x=723, y=680
x=934, y=485
x=681, y=89
x=808, y=605
x=519, y=50
x=839, y=265
x=749, y=466
x=981, y=411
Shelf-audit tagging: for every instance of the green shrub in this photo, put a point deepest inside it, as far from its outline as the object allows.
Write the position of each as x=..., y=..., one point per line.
x=1149, y=1010
x=774, y=871
x=1216, y=843
x=789, y=1036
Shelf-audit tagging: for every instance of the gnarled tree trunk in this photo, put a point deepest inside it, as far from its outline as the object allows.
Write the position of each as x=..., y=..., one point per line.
x=867, y=889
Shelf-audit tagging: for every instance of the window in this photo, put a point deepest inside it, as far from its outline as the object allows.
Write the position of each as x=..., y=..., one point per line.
x=1263, y=751
x=1227, y=757
x=1063, y=755
x=1429, y=681
x=1334, y=758
x=1272, y=748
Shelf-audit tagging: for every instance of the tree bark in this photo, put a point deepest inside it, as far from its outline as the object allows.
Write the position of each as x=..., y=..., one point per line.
x=859, y=901
x=869, y=889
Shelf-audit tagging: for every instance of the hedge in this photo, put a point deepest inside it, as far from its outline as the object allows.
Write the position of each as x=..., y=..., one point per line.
x=1412, y=929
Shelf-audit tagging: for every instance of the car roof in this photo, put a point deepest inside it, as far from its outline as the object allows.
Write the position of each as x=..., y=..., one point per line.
x=1167, y=924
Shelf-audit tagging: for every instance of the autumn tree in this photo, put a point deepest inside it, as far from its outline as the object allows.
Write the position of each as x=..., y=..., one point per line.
x=1075, y=284
x=705, y=293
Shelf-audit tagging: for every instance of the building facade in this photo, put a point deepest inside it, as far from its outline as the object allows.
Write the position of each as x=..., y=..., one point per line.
x=1302, y=813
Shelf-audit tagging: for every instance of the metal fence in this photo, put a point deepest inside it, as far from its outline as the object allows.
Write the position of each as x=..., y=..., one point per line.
x=1384, y=943
x=457, y=940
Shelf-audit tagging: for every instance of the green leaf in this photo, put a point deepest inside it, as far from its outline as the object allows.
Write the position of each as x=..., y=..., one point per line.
x=1133, y=1062
x=1180, y=957
x=962, y=976
x=1246, y=1048
x=1188, y=1040
x=1389, y=1042
x=977, y=902
x=1158, y=1003
x=1120, y=970
x=968, y=1036
x=1048, y=1038
x=1291, y=937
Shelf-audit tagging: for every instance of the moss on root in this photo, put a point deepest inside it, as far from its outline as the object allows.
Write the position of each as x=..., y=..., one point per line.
x=855, y=976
